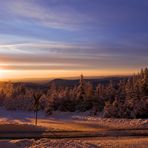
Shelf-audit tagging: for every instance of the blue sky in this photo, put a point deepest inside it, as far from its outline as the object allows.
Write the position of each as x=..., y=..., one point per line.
x=73, y=35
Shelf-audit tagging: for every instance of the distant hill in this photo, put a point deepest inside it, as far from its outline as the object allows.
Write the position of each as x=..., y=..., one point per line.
x=60, y=83
x=71, y=83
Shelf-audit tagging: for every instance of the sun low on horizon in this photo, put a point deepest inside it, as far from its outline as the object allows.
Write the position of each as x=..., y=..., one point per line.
x=60, y=38
x=1, y=75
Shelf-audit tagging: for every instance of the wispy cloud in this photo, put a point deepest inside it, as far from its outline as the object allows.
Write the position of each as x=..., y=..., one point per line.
x=41, y=54
x=73, y=34
x=61, y=17
x=123, y=47
x=43, y=47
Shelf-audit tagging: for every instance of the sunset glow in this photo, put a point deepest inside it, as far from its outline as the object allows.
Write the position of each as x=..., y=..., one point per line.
x=48, y=39
x=73, y=73
x=35, y=74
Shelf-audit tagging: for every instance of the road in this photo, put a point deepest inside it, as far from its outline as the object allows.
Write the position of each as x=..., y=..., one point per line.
x=72, y=134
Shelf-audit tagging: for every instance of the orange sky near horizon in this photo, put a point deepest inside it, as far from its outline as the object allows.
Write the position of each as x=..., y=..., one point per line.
x=36, y=74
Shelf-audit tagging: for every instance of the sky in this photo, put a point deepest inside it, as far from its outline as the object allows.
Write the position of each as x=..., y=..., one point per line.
x=65, y=38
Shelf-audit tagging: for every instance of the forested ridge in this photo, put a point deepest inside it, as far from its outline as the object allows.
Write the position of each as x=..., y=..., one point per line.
x=126, y=98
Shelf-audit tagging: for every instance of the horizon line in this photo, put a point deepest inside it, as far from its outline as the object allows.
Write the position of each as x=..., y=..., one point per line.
x=53, y=78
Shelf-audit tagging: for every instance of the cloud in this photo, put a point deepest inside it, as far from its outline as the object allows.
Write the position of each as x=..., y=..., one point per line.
x=61, y=17
x=116, y=35
x=43, y=47
x=124, y=47
x=43, y=66
x=46, y=55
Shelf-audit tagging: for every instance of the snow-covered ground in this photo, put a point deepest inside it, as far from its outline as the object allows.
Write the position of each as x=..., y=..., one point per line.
x=125, y=142
x=116, y=123
x=20, y=121
x=69, y=121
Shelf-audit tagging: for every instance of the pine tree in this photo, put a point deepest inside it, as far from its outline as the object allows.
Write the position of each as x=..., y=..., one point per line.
x=82, y=104
x=81, y=89
x=145, y=82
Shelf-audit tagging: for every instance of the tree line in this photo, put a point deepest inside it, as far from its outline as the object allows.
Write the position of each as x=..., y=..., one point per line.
x=127, y=98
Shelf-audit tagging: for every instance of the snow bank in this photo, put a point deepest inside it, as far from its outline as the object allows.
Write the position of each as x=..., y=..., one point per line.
x=115, y=123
